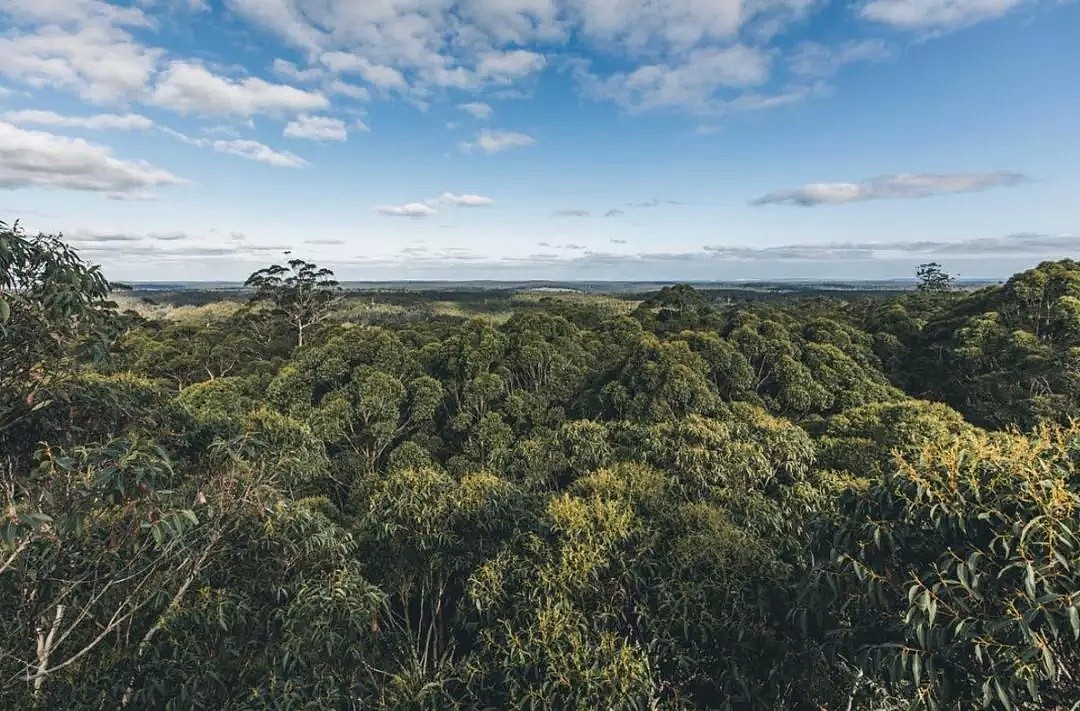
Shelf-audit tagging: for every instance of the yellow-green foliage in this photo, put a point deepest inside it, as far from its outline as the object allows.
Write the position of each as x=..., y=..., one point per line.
x=966, y=557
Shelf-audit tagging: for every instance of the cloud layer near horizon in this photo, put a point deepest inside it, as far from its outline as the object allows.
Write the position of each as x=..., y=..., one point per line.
x=891, y=187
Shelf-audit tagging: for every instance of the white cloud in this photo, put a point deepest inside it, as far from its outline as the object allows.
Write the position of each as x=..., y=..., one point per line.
x=478, y=109
x=467, y=200
x=637, y=23
x=412, y=209
x=419, y=47
x=816, y=60
x=350, y=90
x=573, y=261
x=935, y=14
x=694, y=84
x=1020, y=243
x=506, y=67
x=75, y=12
x=359, y=125
x=187, y=87
x=243, y=148
x=96, y=122
x=253, y=150
x=283, y=17
x=905, y=185
x=288, y=70
x=37, y=158
x=494, y=141
x=380, y=76
x=188, y=5
x=184, y=138
x=316, y=128
x=514, y=21
x=101, y=64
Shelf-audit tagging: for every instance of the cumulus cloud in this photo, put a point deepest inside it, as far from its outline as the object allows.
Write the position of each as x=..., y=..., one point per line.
x=935, y=14
x=412, y=209
x=570, y=213
x=242, y=148
x=188, y=5
x=817, y=60
x=427, y=208
x=614, y=212
x=37, y=158
x=495, y=141
x=316, y=128
x=346, y=89
x=505, y=67
x=378, y=75
x=290, y=71
x=700, y=56
x=427, y=45
x=906, y=185
x=77, y=12
x=467, y=200
x=696, y=82
x=100, y=63
x=190, y=88
x=259, y=152
x=284, y=18
x=96, y=122
x=638, y=24
x=478, y=109
x=514, y=21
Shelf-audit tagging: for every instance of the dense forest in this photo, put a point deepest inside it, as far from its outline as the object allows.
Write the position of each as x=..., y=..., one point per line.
x=313, y=499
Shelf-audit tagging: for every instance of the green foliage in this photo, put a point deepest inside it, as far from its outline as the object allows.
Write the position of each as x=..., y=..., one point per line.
x=301, y=291
x=660, y=380
x=183, y=353
x=54, y=307
x=537, y=501
x=864, y=441
x=1002, y=356
x=956, y=575
x=933, y=278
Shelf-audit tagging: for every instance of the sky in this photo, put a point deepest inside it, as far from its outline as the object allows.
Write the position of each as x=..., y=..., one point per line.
x=180, y=140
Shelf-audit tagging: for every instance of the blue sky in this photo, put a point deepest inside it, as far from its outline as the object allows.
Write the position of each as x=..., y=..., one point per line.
x=545, y=139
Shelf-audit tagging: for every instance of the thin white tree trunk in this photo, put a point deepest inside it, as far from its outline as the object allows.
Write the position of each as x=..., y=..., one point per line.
x=44, y=648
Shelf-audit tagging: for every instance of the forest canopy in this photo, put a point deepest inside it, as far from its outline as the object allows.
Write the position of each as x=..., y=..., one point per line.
x=307, y=499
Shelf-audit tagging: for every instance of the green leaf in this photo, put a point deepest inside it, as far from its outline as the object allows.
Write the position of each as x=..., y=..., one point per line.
x=1002, y=696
